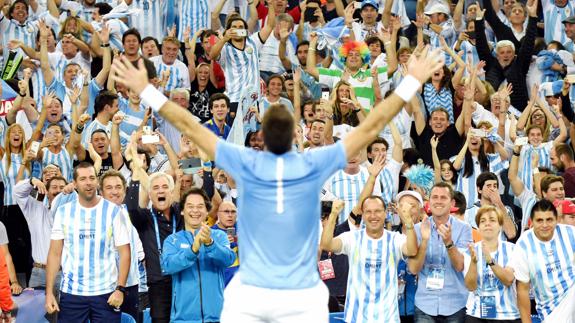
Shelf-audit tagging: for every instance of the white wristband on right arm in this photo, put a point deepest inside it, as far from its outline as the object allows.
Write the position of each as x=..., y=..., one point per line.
x=153, y=98
x=407, y=88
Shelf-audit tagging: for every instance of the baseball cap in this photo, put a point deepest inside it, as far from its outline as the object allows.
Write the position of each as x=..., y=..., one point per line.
x=437, y=8
x=414, y=194
x=372, y=3
x=569, y=20
x=568, y=206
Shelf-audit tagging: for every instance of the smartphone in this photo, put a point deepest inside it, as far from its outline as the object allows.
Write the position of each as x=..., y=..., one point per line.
x=480, y=133
x=326, y=208
x=325, y=95
x=357, y=5
x=190, y=165
x=241, y=32
x=147, y=130
x=36, y=195
x=521, y=141
x=34, y=147
x=150, y=139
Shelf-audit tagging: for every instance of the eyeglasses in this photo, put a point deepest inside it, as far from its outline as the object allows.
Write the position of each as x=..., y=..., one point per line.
x=229, y=212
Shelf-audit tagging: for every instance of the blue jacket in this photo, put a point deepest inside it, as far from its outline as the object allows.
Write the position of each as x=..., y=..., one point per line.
x=191, y=271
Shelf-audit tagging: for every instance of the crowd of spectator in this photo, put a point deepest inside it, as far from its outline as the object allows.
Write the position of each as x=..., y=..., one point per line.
x=461, y=208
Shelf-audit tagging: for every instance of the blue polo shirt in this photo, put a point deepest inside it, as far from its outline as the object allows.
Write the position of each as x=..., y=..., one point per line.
x=211, y=124
x=453, y=296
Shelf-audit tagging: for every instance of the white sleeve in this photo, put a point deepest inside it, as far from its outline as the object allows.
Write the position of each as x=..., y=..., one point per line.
x=120, y=229
x=520, y=265
x=399, y=241
x=57, y=227
x=466, y=263
x=347, y=243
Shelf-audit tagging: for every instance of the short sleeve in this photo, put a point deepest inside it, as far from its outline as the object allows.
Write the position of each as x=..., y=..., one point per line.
x=399, y=240
x=120, y=228
x=347, y=242
x=326, y=160
x=3, y=234
x=520, y=265
x=466, y=262
x=57, y=227
x=328, y=76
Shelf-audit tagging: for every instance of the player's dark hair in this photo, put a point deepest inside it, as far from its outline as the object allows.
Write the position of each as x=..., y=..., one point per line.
x=277, y=127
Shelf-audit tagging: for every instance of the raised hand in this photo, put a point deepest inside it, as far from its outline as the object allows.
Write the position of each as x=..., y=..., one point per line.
x=425, y=228
x=532, y=8
x=472, y=253
x=83, y=120
x=104, y=34
x=118, y=118
x=337, y=206
x=426, y=64
x=480, y=13
x=433, y=142
x=444, y=231
x=377, y=166
x=405, y=211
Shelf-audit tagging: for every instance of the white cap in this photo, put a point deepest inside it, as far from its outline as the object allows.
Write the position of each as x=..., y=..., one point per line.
x=410, y=193
x=437, y=8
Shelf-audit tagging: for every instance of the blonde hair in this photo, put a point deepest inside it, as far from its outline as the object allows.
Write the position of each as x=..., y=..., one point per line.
x=8, y=147
x=488, y=209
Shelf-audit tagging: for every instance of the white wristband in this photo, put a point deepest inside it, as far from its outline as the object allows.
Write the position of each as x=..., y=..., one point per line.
x=407, y=88
x=153, y=98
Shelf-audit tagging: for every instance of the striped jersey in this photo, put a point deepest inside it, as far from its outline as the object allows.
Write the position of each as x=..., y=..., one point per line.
x=150, y=20
x=90, y=236
x=372, y=284
x=347, y=187
x=435, y=99
x=403, y=122
x=93, y=126
x=488, y=285
x=469, y=52
x=362, y=83
x=525, y=169
x=179, y=74
x=135, y=248
x=117, y=29
x=526, y=200
x=468, y=185
x=362, y=32
x=549, y=266
x=132, y=119
x=553, y=16
x=388, y=179
x=9, y=174
x=11, y=29
x=450, y=35
x=62, y=159
x=194, y=14
x=241, y=67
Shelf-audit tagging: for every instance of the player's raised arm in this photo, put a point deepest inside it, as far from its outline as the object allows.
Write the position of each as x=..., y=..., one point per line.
x=419, y=70
x=137, y=80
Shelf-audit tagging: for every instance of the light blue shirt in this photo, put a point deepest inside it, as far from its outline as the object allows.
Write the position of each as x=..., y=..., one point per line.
x=279, y=207
x=453, y=296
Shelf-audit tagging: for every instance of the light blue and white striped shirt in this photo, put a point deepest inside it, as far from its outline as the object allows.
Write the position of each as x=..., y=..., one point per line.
x=348, y=187
x=489, y=285
x=549, y=266
x=372, y=285
x=61, y=159
x=450, y=35
x=132, y=119
x=9, y=174
x=150, y=21
x=265, y=104
x=434, y=99
x=194, y=14
x=553, y=17
x=388, y=180
x=179, y=74
x=241, y=67
x=93, y=126
x=12, y=29
x=90, y=236
x=525, y=169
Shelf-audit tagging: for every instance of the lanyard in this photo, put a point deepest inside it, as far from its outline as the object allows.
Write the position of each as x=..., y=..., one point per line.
x=442, y=253
x=158, y=230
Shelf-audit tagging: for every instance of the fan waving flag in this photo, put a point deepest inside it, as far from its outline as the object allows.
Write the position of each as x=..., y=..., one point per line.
x=8, y=96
